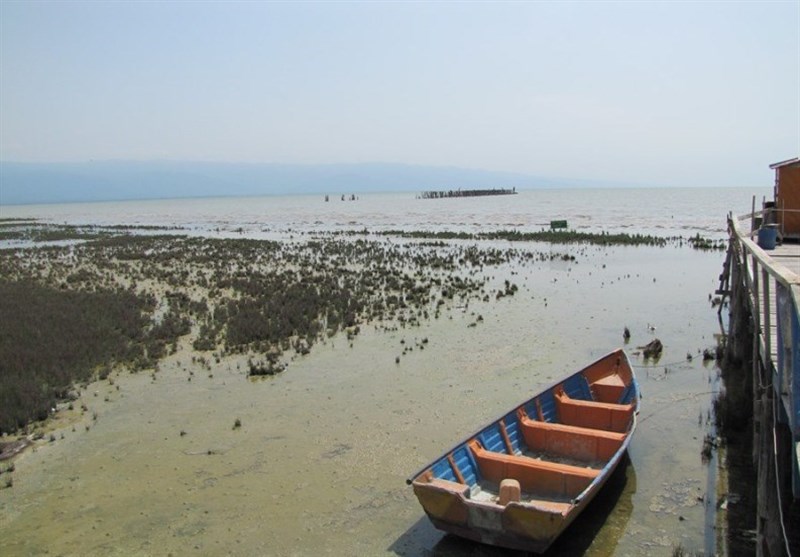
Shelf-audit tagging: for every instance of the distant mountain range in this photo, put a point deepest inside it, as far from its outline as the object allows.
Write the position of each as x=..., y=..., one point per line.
x=32, y=183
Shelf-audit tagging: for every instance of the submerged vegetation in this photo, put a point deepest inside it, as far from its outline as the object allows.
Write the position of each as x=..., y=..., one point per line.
x=75, y=312
x=32, y=230
x=107, y=298
x=706, y=244
x=50, y=338
x=550, y=236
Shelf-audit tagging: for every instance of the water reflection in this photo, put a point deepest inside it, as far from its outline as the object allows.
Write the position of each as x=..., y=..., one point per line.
x=596, y=532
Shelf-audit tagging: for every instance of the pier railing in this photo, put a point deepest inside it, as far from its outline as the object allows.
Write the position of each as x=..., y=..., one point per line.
x=775, y=291
x=771, y=292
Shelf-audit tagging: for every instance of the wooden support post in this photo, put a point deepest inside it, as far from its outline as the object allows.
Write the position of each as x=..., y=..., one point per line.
x=767, y=356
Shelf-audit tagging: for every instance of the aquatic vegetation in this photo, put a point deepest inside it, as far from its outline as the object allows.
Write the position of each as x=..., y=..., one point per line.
x=122, y=300
x=35, y=231
x=12, y=235
x=15, y=221
x=551, y=236
x=267, y=367
x=707, y=244
x=50, y=338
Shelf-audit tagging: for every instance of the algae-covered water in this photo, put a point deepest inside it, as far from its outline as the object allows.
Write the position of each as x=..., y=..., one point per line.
x=156, y=466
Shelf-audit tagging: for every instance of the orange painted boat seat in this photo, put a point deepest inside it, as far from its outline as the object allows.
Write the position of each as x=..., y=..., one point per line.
x=579, y=443
x=545, y=479
x=594, y=415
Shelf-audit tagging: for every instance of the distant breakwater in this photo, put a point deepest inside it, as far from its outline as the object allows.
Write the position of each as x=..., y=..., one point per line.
x=466, y=193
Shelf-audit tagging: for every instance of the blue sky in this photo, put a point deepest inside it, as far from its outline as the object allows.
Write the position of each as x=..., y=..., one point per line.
x=672, y=94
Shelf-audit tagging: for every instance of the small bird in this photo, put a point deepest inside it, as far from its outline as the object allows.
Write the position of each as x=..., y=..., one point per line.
x=626, y=334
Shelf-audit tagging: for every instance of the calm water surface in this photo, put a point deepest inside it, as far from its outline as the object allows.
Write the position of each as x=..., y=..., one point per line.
x=661, y=211
x=319, y=464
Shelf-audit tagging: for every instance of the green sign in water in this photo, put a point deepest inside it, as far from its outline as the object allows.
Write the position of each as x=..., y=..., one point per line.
x=558, y=224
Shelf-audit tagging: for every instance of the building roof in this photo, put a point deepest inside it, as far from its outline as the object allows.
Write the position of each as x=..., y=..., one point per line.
x=789, y=162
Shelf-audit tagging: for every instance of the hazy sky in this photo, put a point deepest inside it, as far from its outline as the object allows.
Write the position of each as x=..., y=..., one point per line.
x=673, y=93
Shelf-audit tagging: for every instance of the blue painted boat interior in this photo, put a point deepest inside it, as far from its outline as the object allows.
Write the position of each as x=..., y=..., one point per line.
x=491, y=437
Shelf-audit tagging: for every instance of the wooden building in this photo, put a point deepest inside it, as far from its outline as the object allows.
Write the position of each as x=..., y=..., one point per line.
x=787, y=197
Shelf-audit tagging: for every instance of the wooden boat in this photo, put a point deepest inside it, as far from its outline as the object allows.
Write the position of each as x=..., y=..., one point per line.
x=521, y=480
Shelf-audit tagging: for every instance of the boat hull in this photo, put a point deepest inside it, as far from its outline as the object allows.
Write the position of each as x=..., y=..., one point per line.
x=552, y=454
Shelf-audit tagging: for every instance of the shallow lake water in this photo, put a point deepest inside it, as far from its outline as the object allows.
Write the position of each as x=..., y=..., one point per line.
x=319, y=464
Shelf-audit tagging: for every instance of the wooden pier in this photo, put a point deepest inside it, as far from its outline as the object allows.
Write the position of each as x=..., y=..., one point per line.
x=763, y=349
x=444, y=194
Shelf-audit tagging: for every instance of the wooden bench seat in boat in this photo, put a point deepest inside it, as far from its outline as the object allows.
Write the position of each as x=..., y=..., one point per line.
x=560, y=407
x=578, y=443
x=594, y=415
x=462, y=490
x=545, y=479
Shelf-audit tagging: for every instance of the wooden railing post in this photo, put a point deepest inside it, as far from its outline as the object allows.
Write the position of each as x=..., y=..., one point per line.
x=767, y=321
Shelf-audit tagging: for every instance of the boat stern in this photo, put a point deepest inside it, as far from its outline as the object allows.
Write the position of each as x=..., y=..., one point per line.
x=515, y=525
